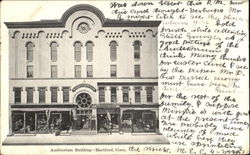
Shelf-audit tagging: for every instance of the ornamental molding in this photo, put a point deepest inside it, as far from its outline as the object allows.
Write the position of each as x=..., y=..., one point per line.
x=82, y=85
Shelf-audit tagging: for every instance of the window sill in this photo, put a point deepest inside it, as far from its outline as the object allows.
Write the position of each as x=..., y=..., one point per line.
x=137, y=59
x=29, y=61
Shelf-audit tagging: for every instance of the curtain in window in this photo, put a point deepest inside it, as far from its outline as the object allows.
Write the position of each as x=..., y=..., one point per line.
x=29, y=95
x=29, y=71
x=65, y=95
x=149, y=92
x=41, y=95
x=54, y=95
x=101, y=94
x=125, y=94
x=137, y=94
x=113, y=94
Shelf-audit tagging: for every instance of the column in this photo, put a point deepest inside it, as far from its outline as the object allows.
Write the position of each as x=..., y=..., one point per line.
x=71, y=100
x=60, y=95
x=23, y=96
x=143, y=95
x=48, y=96
x=16, y=60
x=155, y=94
x=119, y=94
x=107, y=94
x=36, y=96
x=10, y=121
x=41, y=45
x=131, y=95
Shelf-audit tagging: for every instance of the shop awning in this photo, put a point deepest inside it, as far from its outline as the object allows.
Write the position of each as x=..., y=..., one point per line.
x=42, y=107
x=107, y=105
x=105, y=108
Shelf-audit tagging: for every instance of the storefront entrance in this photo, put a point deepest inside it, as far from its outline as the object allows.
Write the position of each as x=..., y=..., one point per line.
x=83, y=116
x=108, y=118
x=85, y=120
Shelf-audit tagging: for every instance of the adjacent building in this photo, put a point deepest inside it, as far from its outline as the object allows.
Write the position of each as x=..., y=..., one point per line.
x=77, y=72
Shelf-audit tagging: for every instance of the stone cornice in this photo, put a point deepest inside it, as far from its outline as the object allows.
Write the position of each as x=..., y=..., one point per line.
x=61, y=22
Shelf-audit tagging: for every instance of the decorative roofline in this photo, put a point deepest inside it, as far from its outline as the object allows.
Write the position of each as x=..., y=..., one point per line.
x=61, y=22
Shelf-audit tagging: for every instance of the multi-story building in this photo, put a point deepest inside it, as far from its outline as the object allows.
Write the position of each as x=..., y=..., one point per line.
x=82, y=70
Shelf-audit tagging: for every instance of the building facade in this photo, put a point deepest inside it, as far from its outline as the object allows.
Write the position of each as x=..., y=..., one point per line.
x=77, y=72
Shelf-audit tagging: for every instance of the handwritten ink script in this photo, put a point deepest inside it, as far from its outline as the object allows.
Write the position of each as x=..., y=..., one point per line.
x=203, y=72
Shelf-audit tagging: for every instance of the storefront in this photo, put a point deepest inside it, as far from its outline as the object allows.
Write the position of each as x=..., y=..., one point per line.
x=139, y=118
x=45, y=119
x=127, y=118
x=40, y=119
x=108, y=114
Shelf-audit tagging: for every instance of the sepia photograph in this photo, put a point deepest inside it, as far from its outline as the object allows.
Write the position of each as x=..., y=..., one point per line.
x=124, y=77
x=81, y=75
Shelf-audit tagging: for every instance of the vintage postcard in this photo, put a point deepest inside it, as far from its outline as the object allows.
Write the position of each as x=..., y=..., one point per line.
x=124, y=77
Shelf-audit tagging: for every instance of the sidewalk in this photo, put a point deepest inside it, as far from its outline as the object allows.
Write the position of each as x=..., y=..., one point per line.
x=116, y=138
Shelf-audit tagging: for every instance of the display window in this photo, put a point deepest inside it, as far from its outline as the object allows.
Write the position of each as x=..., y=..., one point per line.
x=42, y=124
x=30, y=122
x=18, y=122
x=143, y=121
x=126, y=122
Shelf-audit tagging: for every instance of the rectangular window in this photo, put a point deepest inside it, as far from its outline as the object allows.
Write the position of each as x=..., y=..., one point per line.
x=41, y=95
x=77, y=71
x=149, y=91
x=125, y=94
x=17, y=94
x=29, y=95
x=137, y=71
x=29, y=71
x=77, y=51
x=54, y=51
x=113, y=70
x=65, y=94
x=54, y=56
x=30, y=55
x=89, y=51
x=113, y=94
x=113, y=50
x=89, y=71
x=53, y=95
x=53, y=71
x=137, y=45
x=101, y=94
x=137, y=94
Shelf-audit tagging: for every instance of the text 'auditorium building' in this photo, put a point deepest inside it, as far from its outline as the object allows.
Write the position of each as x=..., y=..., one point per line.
x=80, y=71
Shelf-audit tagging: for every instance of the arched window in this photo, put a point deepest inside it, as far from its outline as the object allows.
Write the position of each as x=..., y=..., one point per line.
x=53, y=47
x=113, y=50
x=30, y=47
x=137, y=45
x=77, y=47
x=89, y=50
